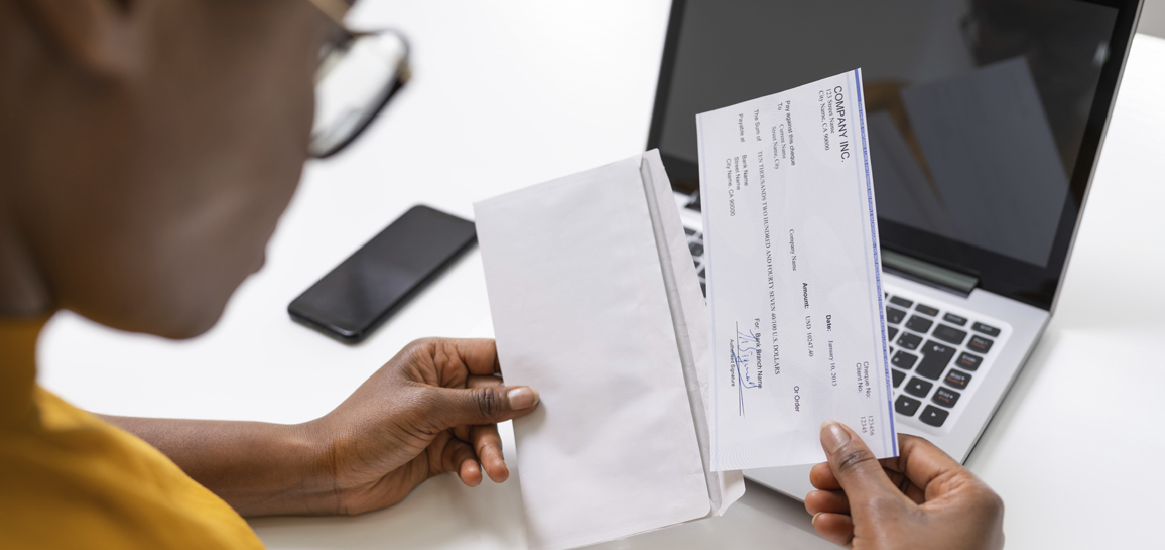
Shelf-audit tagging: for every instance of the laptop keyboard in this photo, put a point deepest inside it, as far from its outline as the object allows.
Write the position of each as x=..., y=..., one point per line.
x=936, y=358
x=696, y=247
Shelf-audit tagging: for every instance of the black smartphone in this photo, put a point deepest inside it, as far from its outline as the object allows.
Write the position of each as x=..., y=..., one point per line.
x=372, y=284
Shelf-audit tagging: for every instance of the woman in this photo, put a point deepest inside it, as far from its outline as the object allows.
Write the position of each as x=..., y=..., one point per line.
x=148, y=150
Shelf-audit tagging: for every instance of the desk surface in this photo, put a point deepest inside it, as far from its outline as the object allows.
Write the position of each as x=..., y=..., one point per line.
x=510, y=95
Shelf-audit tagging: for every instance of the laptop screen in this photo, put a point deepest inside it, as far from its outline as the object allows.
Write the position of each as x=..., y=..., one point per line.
x=984, y=116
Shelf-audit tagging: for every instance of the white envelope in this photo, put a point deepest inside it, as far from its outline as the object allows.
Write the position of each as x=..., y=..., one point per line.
x=596, y=304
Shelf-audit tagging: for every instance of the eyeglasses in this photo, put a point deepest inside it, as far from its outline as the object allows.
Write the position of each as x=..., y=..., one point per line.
x=359, y=72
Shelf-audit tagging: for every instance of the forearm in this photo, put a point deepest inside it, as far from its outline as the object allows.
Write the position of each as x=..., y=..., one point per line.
x=260, y=469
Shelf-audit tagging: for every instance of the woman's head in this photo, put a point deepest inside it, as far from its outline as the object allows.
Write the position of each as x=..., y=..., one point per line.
x=148, y=149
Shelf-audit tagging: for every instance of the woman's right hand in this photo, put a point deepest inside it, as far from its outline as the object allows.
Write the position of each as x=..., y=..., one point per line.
x=921, y=499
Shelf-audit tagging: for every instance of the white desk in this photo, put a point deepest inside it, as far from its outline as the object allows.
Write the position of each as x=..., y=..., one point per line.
x=517, y=93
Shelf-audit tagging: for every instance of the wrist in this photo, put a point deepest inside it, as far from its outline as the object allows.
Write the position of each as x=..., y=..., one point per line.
x=283, y=470
x=303, y=471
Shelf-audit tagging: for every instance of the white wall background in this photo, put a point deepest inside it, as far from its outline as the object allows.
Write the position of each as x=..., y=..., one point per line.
x=1153, y=18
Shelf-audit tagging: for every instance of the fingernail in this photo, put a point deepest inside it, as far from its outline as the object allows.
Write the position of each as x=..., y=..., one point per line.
x=833, y=436
x=813, y=521
x=522, y=398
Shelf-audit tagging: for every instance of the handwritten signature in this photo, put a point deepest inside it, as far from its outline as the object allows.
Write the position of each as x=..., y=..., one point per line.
x=747, y=344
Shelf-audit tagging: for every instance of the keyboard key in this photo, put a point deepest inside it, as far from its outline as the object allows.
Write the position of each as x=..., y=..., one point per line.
x=700, y=273
x=899, y=376
x=969, y=361
x=933, y=416
x=694, y=201
x=891, y=350
x=891, y=332
x=980, y=344
x=918, y=387
x=985, y=329
x=909, y=341
x=919, y=324
x=689, y=231
x=696, y=248
x=895, y=315
x=926, y=310
x=935, y=357
x=906, y=406
x=904, y=360
x=945, y=398
x=901, y=302
x=955, y=319
x=703, y=290
x=957, y=379
x=696, y=261
x=950, y=335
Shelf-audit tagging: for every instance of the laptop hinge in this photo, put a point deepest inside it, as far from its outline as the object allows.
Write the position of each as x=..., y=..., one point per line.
x=928, y=274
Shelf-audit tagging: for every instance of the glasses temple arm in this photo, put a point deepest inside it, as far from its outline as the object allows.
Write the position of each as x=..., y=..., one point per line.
x=336, y=10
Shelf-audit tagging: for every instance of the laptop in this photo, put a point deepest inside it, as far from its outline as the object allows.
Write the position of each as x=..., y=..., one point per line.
x=985, y=119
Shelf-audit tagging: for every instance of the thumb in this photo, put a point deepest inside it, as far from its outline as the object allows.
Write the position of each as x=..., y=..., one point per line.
x=856, y=468
x=450, y=408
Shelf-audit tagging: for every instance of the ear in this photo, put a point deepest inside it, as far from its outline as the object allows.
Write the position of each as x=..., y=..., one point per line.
x=99, y=36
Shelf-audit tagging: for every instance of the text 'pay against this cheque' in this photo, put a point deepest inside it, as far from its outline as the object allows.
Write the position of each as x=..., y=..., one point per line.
x=794, y=280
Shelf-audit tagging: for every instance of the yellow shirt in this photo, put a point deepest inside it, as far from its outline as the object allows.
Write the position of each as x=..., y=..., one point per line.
x=70, y=480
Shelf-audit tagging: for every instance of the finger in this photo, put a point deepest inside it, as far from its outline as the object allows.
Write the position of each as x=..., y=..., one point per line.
x=922, y=462
x=488, y=381
x=477, y=355
x=826, y=502
x=488, y=444
x=904, y=485
x=448, y=408
x=835, y=528
x=457, y=456
x=483, y=381
x=485, y=439
x=470, y=472
x=822, y=477
x=854, y=466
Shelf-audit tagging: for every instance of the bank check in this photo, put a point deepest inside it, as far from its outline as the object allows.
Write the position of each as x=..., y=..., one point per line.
x=798, y=326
